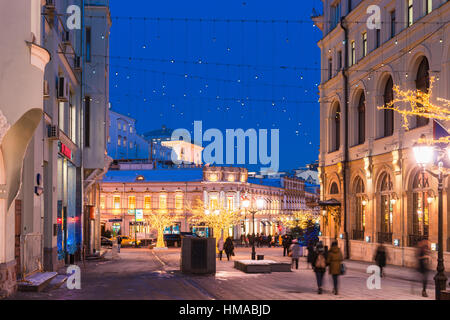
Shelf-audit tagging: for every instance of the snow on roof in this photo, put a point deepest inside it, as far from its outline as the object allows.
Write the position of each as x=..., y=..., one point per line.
x=266, y=182
x=159, y=175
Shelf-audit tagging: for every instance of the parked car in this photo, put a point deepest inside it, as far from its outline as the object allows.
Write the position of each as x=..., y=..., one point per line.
x=106, y=242
x=127, y=241
x=174, y=240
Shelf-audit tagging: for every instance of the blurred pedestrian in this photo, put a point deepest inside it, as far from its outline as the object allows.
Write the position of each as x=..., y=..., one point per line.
x=229, y=248
x=423, y=257
x=311, y=255
x=269, y=240
x=319, y=264
x=119, y=243
x=380, y=258
x=295, y=250
x=220, y=244
x=334, y=261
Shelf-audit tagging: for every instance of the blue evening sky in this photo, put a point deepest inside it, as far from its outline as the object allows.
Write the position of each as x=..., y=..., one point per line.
x=256, y=73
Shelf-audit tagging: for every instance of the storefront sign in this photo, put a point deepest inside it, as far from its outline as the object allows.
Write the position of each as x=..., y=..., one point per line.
x=63, y=149
x=115, y=220
x=139, y=215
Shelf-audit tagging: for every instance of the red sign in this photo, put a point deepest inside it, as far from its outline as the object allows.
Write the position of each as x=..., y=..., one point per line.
x=65, y=151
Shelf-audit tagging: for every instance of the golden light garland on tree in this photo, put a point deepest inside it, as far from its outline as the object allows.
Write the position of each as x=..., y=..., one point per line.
x=160, y=219
x=418, y=103
x=300, y=219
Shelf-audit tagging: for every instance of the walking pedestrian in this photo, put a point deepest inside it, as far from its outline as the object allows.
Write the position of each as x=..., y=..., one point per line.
x=119, y=243
x=269, y=240
x=334, y=260
x=319, y=264
x=229, y=248
x=423, y=256
x=311, y=255
x=295, y=250
x=220, y=247
x=380, y=258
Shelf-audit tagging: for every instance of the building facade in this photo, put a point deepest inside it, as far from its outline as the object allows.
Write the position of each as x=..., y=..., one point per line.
x=366, y=161
x=53, y=144
x=123, y=192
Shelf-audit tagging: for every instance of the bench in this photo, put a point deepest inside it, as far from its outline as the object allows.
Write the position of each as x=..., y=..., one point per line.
x=262, y=266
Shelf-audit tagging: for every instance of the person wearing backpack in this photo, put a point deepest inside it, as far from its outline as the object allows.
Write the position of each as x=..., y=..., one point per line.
x=334, y=260
x=319, y=265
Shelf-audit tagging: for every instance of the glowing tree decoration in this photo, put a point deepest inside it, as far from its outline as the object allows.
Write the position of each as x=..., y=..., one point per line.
x=219, y=220
x=159, y=220
x=298, y=219
x=419, y=103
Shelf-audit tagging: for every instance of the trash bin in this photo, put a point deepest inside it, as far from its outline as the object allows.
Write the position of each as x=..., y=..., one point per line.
x=198, y=255
x=260, y=257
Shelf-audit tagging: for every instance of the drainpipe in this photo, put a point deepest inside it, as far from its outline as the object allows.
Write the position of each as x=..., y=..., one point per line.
x=346, y=156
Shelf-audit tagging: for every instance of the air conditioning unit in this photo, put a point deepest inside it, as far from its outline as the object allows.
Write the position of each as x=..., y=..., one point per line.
x=53, y=132
x=46, y=89
x=65, y=37
x=77, y=63
x=63, y=89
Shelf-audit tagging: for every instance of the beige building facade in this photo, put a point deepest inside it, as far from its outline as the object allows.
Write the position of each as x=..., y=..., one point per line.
x=366, y=158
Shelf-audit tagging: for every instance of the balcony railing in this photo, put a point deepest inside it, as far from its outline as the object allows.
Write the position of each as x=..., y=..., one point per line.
x=385, y=237
x=414, y=239
x=358, y=235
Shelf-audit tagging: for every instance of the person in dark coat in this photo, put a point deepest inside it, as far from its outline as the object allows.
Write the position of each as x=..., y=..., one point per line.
x=380, y=258
x=423, y=257
x=310, y=256
x=119, y=243
x=319, y=264
x=229, y=248
x=334, y=261
x=269, y=240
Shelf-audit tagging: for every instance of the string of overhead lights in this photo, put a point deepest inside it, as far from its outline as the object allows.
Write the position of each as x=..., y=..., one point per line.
x=267, y=21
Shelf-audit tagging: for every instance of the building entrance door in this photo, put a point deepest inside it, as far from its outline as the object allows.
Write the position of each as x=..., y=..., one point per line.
x=17, y=252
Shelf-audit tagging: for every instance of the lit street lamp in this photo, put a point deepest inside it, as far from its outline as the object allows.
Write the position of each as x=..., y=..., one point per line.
x=424, y=155
x=259, y=206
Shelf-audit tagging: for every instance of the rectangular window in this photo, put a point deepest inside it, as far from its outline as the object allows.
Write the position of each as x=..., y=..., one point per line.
x=102, y=202
x=339, y=60
x=61, y=110
x=119, y=141
x=353, y=53
x=330, y=72
x=73, y=120
x=178, y=202
x=410, y=11
x=88, y=44
x=230, y=203
x=213, y=203
x=87, y=121
x=147, y=202
x=116, y=200
x=119, y=126
x=364, y=44
x=131, y=202
x=428, y=6
x=377, y=38
x=392, y=23
x=163, y=201
x=335, y=15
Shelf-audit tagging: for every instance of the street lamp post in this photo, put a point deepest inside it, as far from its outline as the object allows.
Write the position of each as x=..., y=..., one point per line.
x=259, y=206
x=424, y=155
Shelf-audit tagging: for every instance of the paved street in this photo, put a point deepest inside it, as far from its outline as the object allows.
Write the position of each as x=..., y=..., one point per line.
x=148, y=274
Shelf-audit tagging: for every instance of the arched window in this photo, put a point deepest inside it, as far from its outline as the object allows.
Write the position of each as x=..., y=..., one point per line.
x=336, y=128
x=420, y=214
x=423, y=85
x=388, y=114
x=362, y=119
x=360, y=214
x=386, y=209
x=334, y=188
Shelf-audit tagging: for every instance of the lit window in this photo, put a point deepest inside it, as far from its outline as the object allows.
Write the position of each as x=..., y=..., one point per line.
x=119, y=125
x=230, y=203
x=132, y=202
x=364, y=43
x=213, y=203
x=353, y=57
x=119, y=141
x=410, y=12
x=179, y=201
x=162, y=201
x=131, y=129
x=102, y=202
x=147, y=202
x=116, y=202
x=429, y=6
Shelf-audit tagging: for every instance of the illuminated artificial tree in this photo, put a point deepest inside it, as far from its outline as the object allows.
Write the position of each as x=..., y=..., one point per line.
x=159, y=220
x=298, y=219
